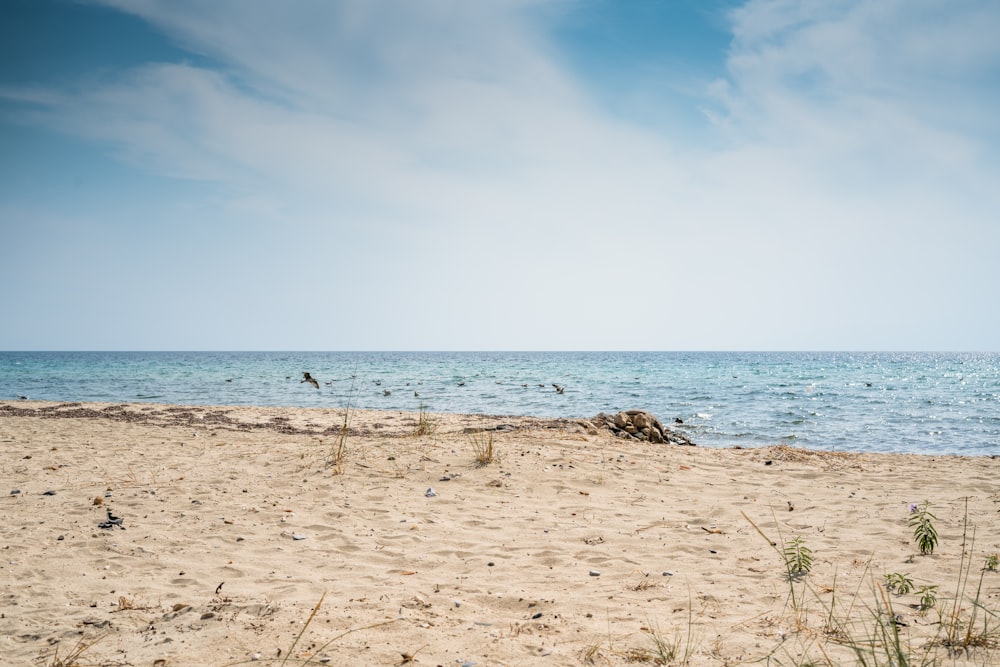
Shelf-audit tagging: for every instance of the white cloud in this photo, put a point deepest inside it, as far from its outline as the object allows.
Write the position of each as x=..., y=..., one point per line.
x=901, y=86
x=445, y=146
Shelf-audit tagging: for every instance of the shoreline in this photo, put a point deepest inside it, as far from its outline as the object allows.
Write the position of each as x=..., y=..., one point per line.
x=570, y=547
x=287, y=420
x=293, y=420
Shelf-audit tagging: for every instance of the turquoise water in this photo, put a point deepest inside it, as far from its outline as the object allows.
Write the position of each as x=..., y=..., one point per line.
x=881, y=402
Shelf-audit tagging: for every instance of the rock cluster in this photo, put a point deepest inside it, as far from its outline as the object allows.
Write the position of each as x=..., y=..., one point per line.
x=640, y=425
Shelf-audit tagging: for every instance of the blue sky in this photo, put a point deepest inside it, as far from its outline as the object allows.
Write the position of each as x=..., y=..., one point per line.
x=507, y=175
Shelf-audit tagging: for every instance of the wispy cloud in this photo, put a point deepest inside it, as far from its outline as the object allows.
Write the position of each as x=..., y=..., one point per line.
x=895, y=89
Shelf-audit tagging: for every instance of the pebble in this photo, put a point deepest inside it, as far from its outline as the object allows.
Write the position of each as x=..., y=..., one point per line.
x=667, y=574
x=256, y=656
x=595, y=573
x=296, y=536
x=430, y=492
x=50, y=492
x=15, y=492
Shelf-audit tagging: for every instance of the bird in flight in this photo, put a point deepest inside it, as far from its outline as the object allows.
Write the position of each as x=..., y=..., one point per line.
x=310, y=379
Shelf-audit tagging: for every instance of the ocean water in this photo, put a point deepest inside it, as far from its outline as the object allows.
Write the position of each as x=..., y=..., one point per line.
x=932, y=403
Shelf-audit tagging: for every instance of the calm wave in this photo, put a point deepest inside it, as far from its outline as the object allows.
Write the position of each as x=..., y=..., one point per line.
x=884, y=402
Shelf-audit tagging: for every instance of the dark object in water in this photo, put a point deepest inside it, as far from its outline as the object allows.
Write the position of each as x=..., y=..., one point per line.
x=310, y=379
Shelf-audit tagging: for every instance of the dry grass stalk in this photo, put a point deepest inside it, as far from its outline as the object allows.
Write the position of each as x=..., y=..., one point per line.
x=425, y=425
x=482, y=447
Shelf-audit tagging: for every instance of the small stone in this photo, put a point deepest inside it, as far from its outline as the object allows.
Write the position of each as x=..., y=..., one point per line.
x=15, y=492
x=256, y=656
x=50, y=492
x=297, y=536
x=595, y=573
x=536, y=616
x=667, y=574
x=61, y=538
x=430, y=492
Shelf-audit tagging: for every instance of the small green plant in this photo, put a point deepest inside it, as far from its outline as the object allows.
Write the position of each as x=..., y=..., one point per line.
x=922, y=523
x=991, y=562
x=928, y=597
x=482, y=447
x=798, y=557
x=899, y=583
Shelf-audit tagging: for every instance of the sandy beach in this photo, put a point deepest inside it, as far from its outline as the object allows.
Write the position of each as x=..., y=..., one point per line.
x=140, y=534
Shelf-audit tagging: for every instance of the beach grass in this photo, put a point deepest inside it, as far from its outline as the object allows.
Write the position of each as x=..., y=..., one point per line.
x=426, y=425
x=483, y=447
x=871, y=627
x=72, y=659
x=338, y=452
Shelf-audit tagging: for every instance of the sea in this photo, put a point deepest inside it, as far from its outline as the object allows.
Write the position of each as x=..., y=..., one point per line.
x=906, y=402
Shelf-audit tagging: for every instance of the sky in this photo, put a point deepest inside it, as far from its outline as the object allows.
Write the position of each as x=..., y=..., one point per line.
x=502, y=175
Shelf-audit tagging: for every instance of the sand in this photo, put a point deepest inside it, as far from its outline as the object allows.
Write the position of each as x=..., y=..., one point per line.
x=241, y=541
